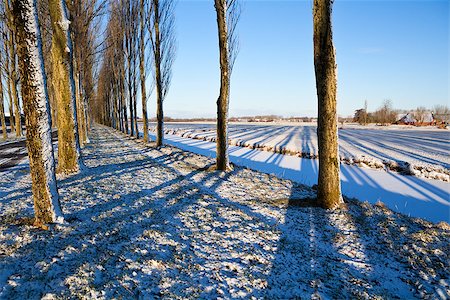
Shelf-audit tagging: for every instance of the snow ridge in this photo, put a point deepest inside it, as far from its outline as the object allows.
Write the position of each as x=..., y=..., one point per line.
x=271, y=143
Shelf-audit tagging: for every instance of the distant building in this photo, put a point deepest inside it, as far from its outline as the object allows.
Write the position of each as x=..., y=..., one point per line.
x=405, y=119
x=413, y=118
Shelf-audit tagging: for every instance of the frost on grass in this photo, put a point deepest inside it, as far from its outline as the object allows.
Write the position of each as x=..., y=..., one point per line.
x=145, y=222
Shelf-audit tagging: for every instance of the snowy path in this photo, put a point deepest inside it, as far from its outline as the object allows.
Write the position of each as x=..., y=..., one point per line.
x=418, y=197
x=14, y=151
x=155, y=223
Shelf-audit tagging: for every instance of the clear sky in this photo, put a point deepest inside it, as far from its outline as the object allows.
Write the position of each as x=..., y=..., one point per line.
x=396, y=50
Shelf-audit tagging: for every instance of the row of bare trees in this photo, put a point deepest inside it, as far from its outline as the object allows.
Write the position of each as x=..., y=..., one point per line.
x=125, y=44
x=49, y=70
x=140, y=38
x=8, y=71
x=139, y=35
x=136, y=26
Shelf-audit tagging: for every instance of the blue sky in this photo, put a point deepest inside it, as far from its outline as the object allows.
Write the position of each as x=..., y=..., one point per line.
x=395, y=50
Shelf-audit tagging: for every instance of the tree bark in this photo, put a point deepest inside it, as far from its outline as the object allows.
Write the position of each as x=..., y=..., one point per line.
x=123, y=100
x=82, y=131
x=53, y=105
x=222, y=162
x=79, y=104
x=17, y=117
x=37, y=111
x=119, y=103
x=129, y=41
x=329, y=188
x=136, y=130
x=142, y=72
x=12, y=74
x=69, y=159
x=9, y=85
x=2, y=109
x=159, y=87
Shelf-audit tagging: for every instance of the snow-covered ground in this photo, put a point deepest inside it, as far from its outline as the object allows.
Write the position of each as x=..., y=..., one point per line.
x=415, y=151
x=149, y=223
x=417, y=197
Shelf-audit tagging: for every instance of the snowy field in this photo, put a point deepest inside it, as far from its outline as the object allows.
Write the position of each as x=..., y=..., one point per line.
x=415, y=151
x=157, y=223
x=417, y=197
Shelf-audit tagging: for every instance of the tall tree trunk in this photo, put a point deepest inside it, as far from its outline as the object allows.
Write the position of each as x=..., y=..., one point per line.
x=115, y=90
x=69, y=159
x=9, y=85
x=78, y=102
x=130, y=73
x=142, y=73
x=122, y=96
x=17, y=117
x=136, y=130
x=12, y=74
x=2, y=109
x=85, y=102
x=120, y=111
x=80, y=108
x=329, y=187
x=223, y=100
x=37, y=111
x=159, y=96
x=130, y=102
x=53, y=105
x=12, y=121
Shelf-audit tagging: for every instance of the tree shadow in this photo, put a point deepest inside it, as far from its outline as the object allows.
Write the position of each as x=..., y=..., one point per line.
x=359, y=251
x=159, y=225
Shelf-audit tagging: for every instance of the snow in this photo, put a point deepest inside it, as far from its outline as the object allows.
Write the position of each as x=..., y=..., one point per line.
x=148, y=223
x=414, y=151
x=417, y=197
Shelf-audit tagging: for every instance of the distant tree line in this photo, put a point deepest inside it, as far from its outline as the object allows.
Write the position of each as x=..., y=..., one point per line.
x=250, y=119
x=386, y=115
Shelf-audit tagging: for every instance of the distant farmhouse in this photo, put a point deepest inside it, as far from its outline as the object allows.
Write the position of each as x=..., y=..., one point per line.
x=422, y=118
x=411, y=118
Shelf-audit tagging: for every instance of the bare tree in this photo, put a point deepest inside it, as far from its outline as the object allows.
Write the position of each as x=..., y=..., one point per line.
x=4, y=60
x=9, y=83
x=110, y=105
x=69, y=156
x=365, y=113
x=130, y=19
x=142, y=19
x=46, y=37
x=441, y=113
x=14, y=84
x=329, y=186
x=228, y=14
x=36, y=107
x=420, y=114
x=115, y=73
x=161, y=27
x=385, y=115
x=12, y=71
x=2, y=108
x=84, y=17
